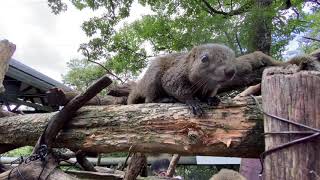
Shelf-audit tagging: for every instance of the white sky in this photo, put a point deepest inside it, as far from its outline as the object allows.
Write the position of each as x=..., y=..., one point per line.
x=46, y=41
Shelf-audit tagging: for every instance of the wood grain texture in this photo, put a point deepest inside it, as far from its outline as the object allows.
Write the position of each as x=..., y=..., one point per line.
x=234, y=128
x=293, y=95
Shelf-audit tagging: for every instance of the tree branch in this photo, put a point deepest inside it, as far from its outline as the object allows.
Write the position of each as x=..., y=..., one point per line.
x=288, y=4
x=314, y=1
x=108, y=71
x=310, y=38
x=238, y=11
x=68, y=112
x=238, y=42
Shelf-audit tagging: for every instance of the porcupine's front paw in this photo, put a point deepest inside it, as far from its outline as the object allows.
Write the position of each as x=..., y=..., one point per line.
x=167, y=100
x=195, y=107
x=213, y=101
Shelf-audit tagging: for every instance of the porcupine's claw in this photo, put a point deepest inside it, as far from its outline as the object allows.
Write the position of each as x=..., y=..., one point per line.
x=213, y=101
x=195, y=107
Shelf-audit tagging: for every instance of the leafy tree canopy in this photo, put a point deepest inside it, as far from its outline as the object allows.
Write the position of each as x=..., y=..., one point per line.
x=178, y=25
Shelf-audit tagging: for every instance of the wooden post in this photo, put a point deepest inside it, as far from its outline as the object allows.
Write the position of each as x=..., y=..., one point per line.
x=6, y=51
x=295, y=96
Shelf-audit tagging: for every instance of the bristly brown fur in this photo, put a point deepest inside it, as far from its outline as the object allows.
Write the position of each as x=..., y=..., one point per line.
x=185, y=76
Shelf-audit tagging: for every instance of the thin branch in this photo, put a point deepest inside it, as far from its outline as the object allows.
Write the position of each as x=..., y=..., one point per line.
x=108, y=71
x=238, y=11
x=288, y=4
x=314, y=1
x=231, y=5
x=310, y=38
x=295, y=10
x=238, y=42
x=136, y=53
x=220, y=6
x=113, y=9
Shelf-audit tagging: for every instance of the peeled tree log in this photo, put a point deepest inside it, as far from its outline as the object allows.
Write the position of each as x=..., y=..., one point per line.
x=234, y=128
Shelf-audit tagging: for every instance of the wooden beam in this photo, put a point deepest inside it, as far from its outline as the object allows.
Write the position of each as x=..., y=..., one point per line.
x=6, y=51
x=20, y=102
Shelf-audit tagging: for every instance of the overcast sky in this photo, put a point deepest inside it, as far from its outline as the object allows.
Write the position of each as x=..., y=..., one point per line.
x=46, y=41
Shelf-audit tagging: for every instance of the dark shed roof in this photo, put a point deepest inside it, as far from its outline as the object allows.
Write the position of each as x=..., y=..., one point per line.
x=25, y=74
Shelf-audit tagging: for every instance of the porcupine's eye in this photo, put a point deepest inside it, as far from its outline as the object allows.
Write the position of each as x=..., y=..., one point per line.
x=205, y=59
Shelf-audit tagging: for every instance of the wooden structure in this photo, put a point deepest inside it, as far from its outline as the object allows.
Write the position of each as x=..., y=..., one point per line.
x=28, y=87
x=295, y=96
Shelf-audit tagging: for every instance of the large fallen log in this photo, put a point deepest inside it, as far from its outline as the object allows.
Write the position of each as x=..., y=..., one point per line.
x=234, y=128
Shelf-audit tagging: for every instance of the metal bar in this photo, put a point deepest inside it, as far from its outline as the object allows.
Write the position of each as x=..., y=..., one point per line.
x=184, y=160
x=290, y=132
x=20, y=102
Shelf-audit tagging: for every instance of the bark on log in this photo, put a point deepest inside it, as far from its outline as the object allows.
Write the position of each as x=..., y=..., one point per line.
x=294, y=96
x=234, y=128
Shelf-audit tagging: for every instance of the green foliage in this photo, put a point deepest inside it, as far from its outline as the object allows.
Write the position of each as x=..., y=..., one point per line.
x=313, y=32
x=57, y=6
x=82, y=74
x=70, y=167
x=22, y=151
x=177, y=26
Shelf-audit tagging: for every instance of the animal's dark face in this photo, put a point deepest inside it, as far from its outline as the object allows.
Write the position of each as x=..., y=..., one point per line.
x=212, y=63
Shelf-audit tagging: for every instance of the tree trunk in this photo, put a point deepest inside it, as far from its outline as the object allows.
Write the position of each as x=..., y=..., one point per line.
x=294, y=96
x=234, y=128
x=261, y=26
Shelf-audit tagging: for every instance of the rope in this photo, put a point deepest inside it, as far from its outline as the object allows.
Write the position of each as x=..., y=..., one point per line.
x=41, y=154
